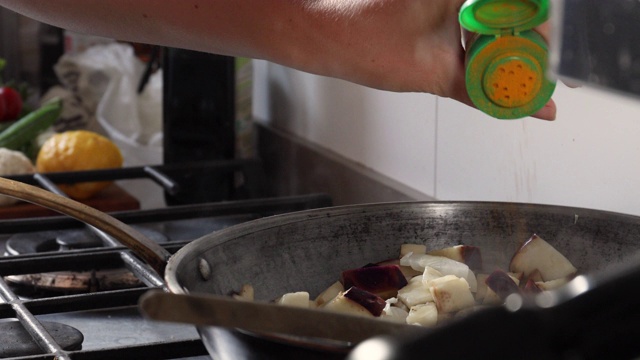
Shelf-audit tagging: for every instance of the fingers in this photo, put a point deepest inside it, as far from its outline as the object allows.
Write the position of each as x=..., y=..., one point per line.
x=548, y=112
x=544, y=30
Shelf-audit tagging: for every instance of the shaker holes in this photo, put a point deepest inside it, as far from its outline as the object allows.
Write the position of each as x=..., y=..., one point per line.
x=512, y=83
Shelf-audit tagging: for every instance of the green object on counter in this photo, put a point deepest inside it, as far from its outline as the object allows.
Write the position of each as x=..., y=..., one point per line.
x=506, y=61
x=27, y=128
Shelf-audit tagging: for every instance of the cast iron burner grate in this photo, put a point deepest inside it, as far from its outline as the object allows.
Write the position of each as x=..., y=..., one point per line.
x=69, y=282
x=118, y=308
x=17, y=341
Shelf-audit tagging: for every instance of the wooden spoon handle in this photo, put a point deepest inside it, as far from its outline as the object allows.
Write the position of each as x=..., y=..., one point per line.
x=152, y=253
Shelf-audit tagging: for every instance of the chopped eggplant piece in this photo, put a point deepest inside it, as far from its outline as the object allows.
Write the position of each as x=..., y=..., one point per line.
x=384, y=281
x=502, y=284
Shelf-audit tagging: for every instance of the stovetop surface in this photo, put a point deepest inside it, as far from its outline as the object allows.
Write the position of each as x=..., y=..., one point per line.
x=109, y=319
x=124, y=326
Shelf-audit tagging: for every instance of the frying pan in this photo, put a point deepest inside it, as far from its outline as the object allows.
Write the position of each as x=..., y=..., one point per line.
x=307, y=250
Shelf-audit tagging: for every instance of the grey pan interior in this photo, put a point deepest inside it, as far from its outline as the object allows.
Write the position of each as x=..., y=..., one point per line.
x=308, y=250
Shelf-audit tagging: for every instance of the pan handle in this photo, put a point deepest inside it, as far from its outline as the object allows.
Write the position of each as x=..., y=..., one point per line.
x=152, y=253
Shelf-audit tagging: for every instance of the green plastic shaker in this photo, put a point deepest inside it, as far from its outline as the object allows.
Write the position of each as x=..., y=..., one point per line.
x=506, y=60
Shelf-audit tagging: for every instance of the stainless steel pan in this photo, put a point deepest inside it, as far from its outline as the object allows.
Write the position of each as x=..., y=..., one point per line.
x=307, y=250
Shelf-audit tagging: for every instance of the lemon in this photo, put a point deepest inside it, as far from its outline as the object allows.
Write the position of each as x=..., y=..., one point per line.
x=79, y=150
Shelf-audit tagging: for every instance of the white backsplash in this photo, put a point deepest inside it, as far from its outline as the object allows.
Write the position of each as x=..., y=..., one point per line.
x=589, y=157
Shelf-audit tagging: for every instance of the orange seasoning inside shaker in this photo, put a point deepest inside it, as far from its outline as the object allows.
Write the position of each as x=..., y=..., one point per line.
x=506, y=60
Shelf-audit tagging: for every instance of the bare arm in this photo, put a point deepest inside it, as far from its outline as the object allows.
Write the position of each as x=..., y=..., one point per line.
x=220, y=26
x=397, y=45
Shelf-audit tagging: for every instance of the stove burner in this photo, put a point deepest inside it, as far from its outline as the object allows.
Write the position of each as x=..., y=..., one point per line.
x=44, y=241
x=74, y=282
x=16, y=341
x=70, y=282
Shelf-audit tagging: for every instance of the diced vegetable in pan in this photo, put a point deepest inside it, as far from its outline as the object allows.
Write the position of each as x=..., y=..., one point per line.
x=429, y=286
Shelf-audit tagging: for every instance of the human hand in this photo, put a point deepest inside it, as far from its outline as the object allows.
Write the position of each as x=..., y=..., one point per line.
x=402, y=45
x=396, y=45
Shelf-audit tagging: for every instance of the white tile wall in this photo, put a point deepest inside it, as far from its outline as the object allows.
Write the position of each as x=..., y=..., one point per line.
x=589, y=157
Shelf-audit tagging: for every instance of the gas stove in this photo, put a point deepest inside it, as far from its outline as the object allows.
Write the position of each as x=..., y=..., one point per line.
x=66, y=292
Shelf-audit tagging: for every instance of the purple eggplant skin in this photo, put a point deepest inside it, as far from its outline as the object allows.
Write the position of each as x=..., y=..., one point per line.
x=383, y=280
x=472, y=256
x=372, y=302
x=502, y=284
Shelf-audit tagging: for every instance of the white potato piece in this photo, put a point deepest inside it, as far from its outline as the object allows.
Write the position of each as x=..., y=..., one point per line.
x=443, y=264
x=412, y=248
x=537, y=254
x=451, y=294
x=430, y=274
x=395, y=314
x=402, y=306
x=470, y=255
x=415, y=293
x=345, y=305
x=423, y=315
x=329, y=293
x=297, y=299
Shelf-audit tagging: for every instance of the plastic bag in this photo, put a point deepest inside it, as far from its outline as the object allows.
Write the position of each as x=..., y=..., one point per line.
x=103, y=81
x=105, y=78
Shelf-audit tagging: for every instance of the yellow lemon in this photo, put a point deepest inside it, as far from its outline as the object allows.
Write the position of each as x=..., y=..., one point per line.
x=78, y=151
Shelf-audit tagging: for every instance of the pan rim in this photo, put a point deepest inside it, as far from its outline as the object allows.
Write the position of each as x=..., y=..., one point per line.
x=187, y=253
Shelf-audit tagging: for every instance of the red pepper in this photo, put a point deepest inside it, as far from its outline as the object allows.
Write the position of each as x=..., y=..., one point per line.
x=3, y=110
x=10, y=104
